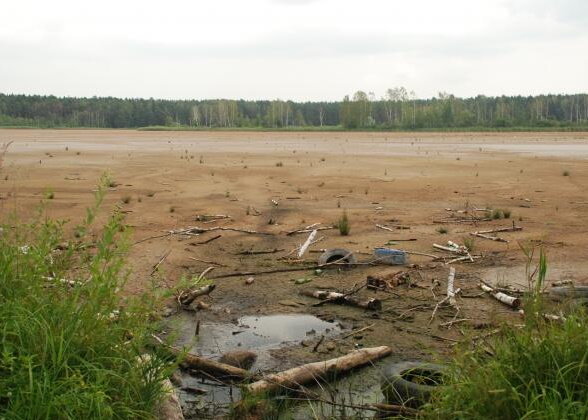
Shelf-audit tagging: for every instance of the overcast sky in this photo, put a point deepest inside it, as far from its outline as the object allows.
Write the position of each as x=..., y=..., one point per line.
x=292, y=49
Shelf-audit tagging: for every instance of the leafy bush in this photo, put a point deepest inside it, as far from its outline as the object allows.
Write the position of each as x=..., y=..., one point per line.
x=70, y=344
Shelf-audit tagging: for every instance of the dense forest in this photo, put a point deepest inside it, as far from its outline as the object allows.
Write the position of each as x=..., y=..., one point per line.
x=397, y=109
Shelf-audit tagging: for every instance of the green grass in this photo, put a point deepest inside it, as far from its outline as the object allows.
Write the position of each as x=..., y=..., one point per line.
x=537, y=371
x=343, y=224
x=72, y=351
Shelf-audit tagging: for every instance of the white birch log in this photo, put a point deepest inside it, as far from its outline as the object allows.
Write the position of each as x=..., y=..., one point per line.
x=511, y=301
x=306, y=244
x=450, y=291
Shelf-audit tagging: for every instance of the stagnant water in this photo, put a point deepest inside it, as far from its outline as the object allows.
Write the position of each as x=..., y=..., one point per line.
x=260, y=334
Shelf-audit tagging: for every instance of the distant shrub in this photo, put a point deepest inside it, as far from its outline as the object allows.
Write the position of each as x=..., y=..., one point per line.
x=343, y=224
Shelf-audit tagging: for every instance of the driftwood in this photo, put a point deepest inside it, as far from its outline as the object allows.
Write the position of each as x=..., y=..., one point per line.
x=206, y=241
x=198, y=230
x=450, y=290
x=422, y=254
x=511, y=301
x=306, y=244
x=513, y=228
x=297, y=248
x=449, y=248
x=451, y=293
x=336, y=297
x=207, y=262
x=336, y=263
x=458, y=259
x=169, y=407
x=357, y=331
x=198, y=363
x=491, y=238
x=396, y=227
x=211, y=217
x=187, y=297
x=385, y=228
x=251, y=252
x=308, y=229
x=195, y=231
x=311, y=372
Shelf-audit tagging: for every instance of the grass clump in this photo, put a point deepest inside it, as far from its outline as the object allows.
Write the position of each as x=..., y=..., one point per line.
x=497, y=214
x=442, y=230
x=537, y=371
x=343, y=224
x=469, y=243
x=70, y=344
x=566, y=173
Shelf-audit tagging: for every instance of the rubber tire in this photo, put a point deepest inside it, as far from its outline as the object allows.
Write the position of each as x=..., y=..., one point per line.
x=331, y=254
x=399, y=390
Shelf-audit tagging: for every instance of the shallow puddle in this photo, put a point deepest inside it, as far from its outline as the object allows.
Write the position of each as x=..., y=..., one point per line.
x=260, y=334
x=256, y=333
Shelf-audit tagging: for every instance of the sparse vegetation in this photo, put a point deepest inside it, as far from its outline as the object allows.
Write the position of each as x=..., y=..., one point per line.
x=49, y=195
x=279, y=164
x=126, y=199
x=566, y=173
x=497, y=214
x=442, y=230
x=343, y=224
x=469, y=243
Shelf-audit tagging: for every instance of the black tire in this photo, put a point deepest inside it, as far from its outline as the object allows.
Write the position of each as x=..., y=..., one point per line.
x=331, y=255
x=411, y=383
x=569, y=292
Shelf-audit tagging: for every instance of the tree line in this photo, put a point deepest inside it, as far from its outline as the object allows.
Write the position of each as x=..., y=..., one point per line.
x=398, y=108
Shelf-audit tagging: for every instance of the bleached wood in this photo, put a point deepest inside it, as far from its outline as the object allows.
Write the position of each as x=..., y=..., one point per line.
x=313, y=372
x=306, y=244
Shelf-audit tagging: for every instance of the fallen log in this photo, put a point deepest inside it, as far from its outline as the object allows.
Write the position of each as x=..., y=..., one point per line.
x=198, y=363
x=491, y=238
x=449, y=249
x=311, y=372
x=336, y=297
x=211, y=217
x=169, y=407
x=512, y=228
x=511, y=301
x=187, y=296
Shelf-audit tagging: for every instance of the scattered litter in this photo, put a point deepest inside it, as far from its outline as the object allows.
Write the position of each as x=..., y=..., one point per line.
x=390, y=256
